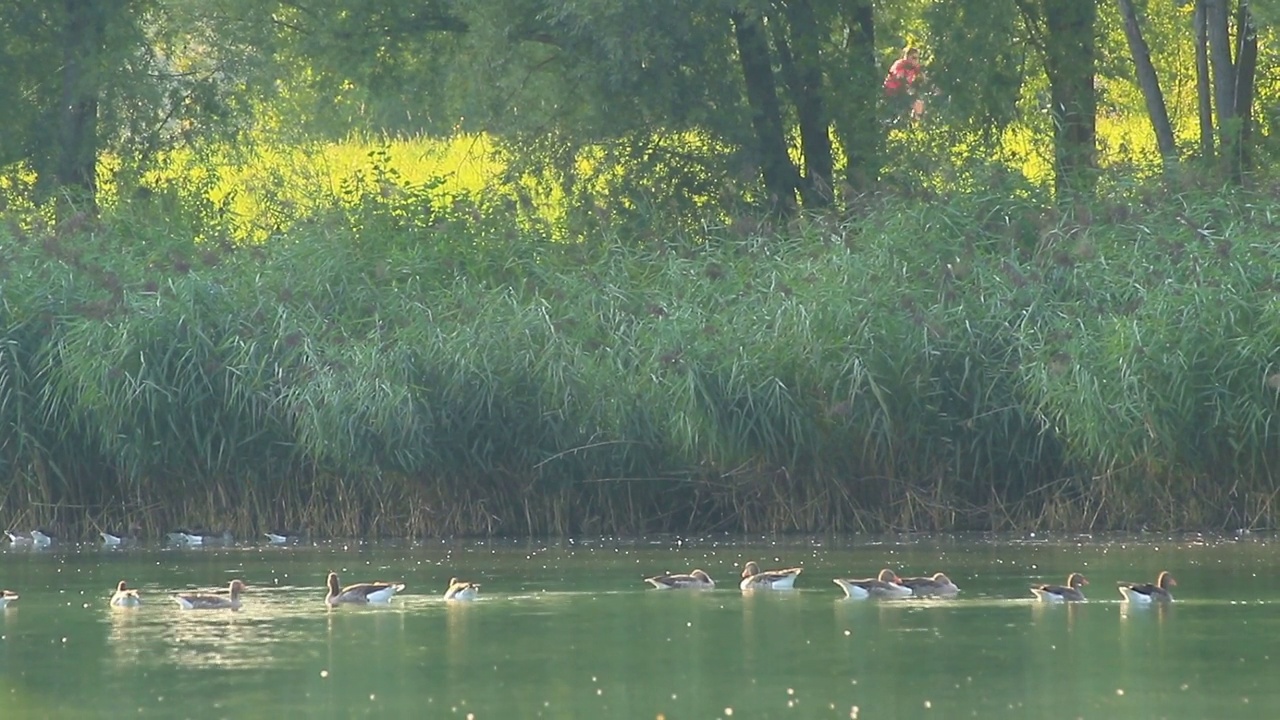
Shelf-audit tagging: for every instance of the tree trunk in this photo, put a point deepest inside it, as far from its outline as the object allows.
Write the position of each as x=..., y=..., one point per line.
x=1224, y=85
x=798, y=53
x=75, y=171
x=854, y=106
x=1070, y=54
x=1203, y=92
x=780, y=176
x=1149, y=82
x=1246, y=72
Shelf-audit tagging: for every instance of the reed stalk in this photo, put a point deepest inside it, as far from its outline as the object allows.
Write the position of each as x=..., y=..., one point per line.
x=979, y=363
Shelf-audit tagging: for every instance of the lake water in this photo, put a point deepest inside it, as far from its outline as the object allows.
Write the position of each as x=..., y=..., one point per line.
x=568, y=630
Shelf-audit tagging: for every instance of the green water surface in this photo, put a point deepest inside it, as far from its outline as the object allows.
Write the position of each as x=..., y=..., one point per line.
x=567, y=629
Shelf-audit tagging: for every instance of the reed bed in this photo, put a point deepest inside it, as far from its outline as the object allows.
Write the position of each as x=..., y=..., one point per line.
x=978, y=363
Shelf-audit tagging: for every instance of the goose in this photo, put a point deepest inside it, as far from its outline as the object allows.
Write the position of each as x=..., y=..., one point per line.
x=696, y=580
x=209, y=601
x=1062, y=593
x=35, y=539
x=884, y=585
x=459, y=590
x=1149, y=592
x=6, y=597
x=755, y=579
x=936, y=585
x=360, y=593
x=124, y=597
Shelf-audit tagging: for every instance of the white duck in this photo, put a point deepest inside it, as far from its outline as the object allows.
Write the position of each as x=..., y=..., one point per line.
x=33, y=539
x=120, y=538
x=282, y=537
x=201, y=537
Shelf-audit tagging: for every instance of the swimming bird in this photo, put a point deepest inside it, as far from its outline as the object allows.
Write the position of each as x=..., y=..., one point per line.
x=696, y=580
x=209, y=601
x=34, y=539
x=459, y=590
x=125, y=597
x=755, y=579
x=6, y=597
x=1060, y=593
x=1149, y=592
x=282, y=537
x=182, y=536
x=118, y=538
x=360, y=593
x=884, y=585
x=201, y=537
x=936, y=585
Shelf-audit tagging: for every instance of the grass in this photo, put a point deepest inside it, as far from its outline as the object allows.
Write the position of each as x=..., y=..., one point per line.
x=980, y=362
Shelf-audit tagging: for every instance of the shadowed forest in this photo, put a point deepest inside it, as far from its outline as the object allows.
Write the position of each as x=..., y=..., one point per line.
x=391, y=268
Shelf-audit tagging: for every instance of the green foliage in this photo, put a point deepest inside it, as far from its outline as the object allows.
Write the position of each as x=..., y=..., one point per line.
x=974, y=63
x=983, y=362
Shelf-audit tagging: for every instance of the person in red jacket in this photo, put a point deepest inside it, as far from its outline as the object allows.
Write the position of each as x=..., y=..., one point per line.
x=902, y=84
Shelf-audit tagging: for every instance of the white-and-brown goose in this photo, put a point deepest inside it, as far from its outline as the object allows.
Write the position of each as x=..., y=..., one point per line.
x=1149, y=592
x=695, y=580
x=360, y=593
x=461, y=590
x=885, y=586
x=211, y=601
x=1062, y=593
x=935, y=585
x=753, y=578
x=124, y=597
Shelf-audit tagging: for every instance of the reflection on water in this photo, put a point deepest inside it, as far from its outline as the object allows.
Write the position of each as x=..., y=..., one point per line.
x=566, y=630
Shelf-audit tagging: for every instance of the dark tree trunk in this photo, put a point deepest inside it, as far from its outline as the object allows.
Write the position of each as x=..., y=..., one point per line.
x=1204, y=95
x=798, y=53
x=780, y=176
x=854, y=107
x=1070, y=55
x=83, y=34
x=1149, y=82
x=1246, y=73
x=1217, y=16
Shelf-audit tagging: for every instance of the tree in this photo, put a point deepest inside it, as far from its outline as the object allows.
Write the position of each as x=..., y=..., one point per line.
x=780, y=177
x=1204, y=97
x=1149, y=82
x=1063, y=31
x=132, y=77
x=853, y=58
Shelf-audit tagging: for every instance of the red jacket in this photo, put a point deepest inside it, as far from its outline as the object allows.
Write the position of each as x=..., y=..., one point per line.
x=902, y=75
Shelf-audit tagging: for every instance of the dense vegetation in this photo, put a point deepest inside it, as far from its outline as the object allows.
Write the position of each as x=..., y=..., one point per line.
x=983, y=362
x=688, y=275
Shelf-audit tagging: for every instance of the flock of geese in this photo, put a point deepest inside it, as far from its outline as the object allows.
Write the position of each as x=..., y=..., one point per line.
x=888, y=585
x=358, y=594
